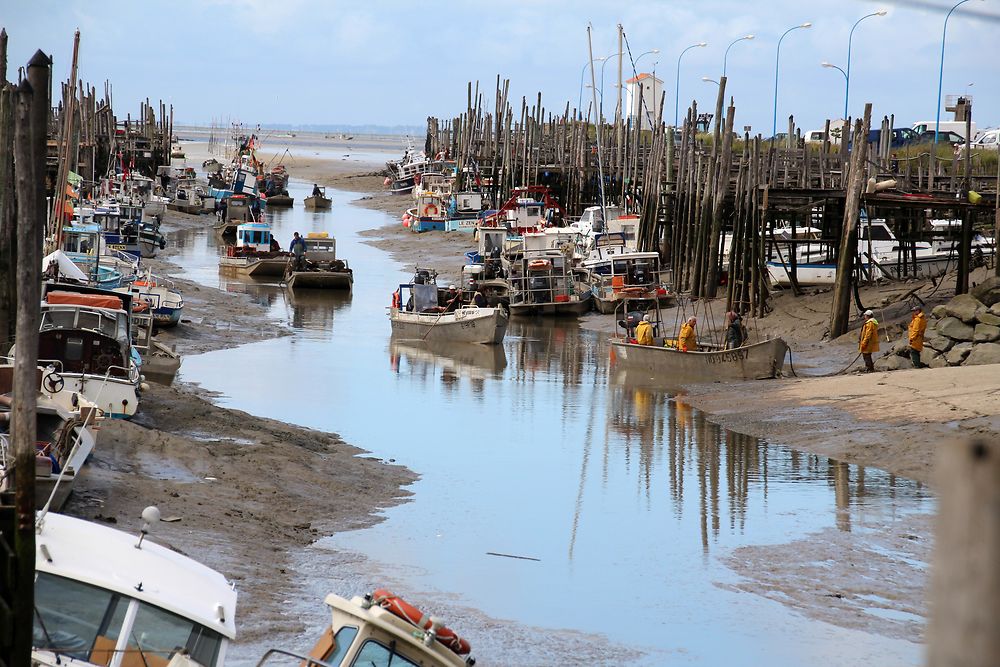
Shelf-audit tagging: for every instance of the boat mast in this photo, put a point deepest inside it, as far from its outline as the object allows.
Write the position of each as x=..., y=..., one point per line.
x=597, y=124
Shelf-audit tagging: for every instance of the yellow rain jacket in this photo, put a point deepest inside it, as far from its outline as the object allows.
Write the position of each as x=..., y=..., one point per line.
x=917, y=327
x=644, y=333
x=687, y=341
x=869, y=337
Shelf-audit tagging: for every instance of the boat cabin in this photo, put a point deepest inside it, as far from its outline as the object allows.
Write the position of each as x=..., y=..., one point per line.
x=593, y=218
x=320, y=247
x=468, y=204
x=111, y=598
x=254, y=235
x=85, y=332
x=541, y=276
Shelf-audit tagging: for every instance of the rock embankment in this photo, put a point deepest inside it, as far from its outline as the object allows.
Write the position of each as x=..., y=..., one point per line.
x=963, y=332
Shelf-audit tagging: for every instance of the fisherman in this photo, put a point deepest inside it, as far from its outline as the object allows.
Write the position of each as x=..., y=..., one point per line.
x=316, y=192
x=479, y=301
x=454, y=299
x=298, y=250
x=735, y=335
x=868, y=343
x=918, y=325
x=644, y=331
x=687, y=340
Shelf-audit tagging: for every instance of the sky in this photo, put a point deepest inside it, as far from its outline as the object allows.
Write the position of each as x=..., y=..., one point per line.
x=390, y=63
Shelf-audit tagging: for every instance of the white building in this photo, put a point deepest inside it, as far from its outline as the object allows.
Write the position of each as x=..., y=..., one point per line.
x=642, y=99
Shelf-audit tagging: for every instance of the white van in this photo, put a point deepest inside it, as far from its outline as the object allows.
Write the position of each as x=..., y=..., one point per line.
x=988, y=139
x=956, y=126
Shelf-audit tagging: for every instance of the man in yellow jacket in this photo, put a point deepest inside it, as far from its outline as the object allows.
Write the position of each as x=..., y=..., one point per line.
x=918, y=325
x=644, y=332
x=868, y=344
x=687, y=340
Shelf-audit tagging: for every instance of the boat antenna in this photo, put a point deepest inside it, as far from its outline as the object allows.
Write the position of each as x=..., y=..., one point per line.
x=597, y=123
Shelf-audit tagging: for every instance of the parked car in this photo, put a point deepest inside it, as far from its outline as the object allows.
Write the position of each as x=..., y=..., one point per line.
x=956, y=126
x=901, y=136
x=943, y=137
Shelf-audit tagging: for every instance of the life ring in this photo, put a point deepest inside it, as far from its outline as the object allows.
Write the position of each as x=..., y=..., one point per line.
x=430, y=209
x=406, y=611
x=395, y=299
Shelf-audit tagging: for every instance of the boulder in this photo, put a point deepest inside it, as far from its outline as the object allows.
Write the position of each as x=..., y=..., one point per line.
x=938, y=361
x=958, y=354
x=964, y=307
x=892, y=362
x=988, y=291
x=956, y=329
x=939, y=311
x=900, y=347
x=927, y=355
x=939, y=343
x=983, y=353
x=995, y=309
x=986, y=317
x=986, y=333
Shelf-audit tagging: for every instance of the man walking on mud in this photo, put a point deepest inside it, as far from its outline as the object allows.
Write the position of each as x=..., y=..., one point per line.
x=918, y=325
x=868, y=343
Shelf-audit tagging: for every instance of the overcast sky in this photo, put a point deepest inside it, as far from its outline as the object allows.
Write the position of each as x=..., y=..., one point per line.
x=375, y=62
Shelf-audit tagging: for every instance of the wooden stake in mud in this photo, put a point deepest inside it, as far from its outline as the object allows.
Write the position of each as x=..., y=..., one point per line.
x=841, y=310
x=31, y=120
x=965, y=581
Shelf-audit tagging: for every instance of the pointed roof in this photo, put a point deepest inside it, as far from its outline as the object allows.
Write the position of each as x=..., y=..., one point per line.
x=642, y=76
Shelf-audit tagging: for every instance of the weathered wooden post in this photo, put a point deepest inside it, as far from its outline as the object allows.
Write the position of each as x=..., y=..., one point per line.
x=965, y=580
x=8, y=212
x=841, y=310
x=31, y=125
x=965, y=246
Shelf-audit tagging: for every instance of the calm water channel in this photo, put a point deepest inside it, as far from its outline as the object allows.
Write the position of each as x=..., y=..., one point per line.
x=627, y=499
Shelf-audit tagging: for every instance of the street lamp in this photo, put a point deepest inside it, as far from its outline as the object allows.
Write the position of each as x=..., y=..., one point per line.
x=777, y=56
x=937, y=119
x=850, y=39
x=579, y=103
x=677, y=84
x=832, y=66
x=707, y=80
x=725, y=58
x=646, y=53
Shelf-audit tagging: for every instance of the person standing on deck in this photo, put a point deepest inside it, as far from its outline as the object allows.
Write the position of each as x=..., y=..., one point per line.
x=644, y=332
x=687, y=340
x=868, y=343
x=918, y=325
x=316, y=192
x=298, y=249
x=735, y=336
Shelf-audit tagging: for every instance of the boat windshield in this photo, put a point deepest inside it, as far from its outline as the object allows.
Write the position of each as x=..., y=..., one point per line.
x=79, y=318
x=85, y=622
x=380, y=655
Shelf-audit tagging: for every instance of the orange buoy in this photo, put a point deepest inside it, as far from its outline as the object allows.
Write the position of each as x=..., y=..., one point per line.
x=406, y=611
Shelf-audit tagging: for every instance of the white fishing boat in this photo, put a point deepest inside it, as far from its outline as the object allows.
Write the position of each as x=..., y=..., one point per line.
x=86, y=335
x=380, y=629
x=65, y=435
x=419, y=311
x=253, y=254
x=619, y=273
x=163, y=299
x=105, y=597
x=545, y=282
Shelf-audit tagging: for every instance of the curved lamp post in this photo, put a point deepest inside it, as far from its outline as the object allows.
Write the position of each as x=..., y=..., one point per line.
x=708, y=80
x=579, y=103
x=850, y=39
x=777, y=56
x=677, y=83
x=725, y=58
x=944, y=34
x=832, y=66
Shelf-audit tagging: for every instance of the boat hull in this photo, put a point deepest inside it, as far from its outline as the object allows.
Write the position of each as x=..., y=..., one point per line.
x=117, y=397
x=279, y=201
x=253, y=267
x=317, y=203
x=45, y=485
x=160, y=364
x=751, y=362
x=572, y=308
x=320, y=280
x=465, y=326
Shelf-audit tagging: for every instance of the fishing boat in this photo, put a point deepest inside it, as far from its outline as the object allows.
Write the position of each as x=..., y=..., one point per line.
x=276, y=188
x=545, y=282
x=318, y=201
x=236, y=209
x=65, y=434
x=430, y=214
x=86, y=334
x=425, y=315
x=666, y=362
x=380, y=628
x=404, y=173
x=320, y=268
x=111, y=598
x=528, y=209
x=102, y=267
x=164, y=300
x=253, y=255
x=618, y=273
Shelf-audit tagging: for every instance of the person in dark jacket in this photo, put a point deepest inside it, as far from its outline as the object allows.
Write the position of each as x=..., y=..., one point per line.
x=735, y=336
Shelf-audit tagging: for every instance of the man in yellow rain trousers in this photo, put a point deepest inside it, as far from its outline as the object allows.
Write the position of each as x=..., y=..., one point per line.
x=868, y=343
x=687, y=340
x=918, y=325
x=644, y=332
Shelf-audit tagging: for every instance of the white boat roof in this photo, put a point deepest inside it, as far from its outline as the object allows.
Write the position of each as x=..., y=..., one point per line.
x=107, y=558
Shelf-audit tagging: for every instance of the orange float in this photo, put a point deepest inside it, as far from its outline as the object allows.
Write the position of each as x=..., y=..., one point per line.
x=406, y=611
